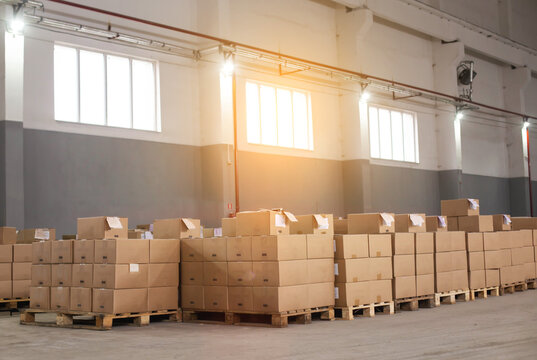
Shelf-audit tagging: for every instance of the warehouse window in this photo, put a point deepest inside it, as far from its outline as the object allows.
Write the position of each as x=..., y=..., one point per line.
x=102, y=89
x=278, y=116
x=393, y=134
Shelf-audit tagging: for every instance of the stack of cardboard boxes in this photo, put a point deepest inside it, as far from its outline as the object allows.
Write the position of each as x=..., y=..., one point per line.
x=404, y=254
x=15, y=266
x=451, y=264
x=519, y=265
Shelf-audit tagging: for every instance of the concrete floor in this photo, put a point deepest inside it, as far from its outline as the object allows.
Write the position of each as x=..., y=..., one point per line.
x=497, y=328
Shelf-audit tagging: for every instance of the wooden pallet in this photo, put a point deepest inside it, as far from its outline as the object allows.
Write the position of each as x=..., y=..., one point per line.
x=511, y=288
x=368, y=310
x=279, y=319
x=97, y=321
x=14, y=304
x=532, y=283
x=414, y=303
x=451, y=297
x=483, y=293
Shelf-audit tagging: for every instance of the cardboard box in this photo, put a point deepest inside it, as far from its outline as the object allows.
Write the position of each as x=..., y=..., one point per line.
x=239, y=248
x=192, y=273
x=8, y=235
x=82, y=275
x=476, y=223
x=443, y=262
x=424, y=243
x=61, y=275
x=501, y=222
x=519, y=223
x=522, y=255
x=476, y=279
x=352, y=294
x=164, y=251
x=214, y=249
x=62, y=251
x=318, y=224
x=69, y=237
x=229, y=227
x=81, y=298
x=413, y=223
x=506, y=275
x=192, y=297
x=215, y=297
x=41, y=275
x=122, y=251
x=240, y=298
x=377, y=223
x=492, y=241
x=380, y=291
x=492, y=277
x=403, y=243
x=102, y=227
x=341, y=226
x=519, y=273
x=460, y=280
x=404, y=265
x=6, y=289
x=28, y=236
x=21, y=288
x=424, y=264
x=208, y=232
x=351, y=246
x=281, y=247
x=320, y=270
x=21, y=253
x=449, y=241
x=41, y=252
x=40, y=297
x=534, y=232
x=320, y=294
x=380, y=245
x=5, y=272
x=352, y=270
x=191, y=250
x=60, y=298
x=163, y=275
x=529, y=271
x=526, y=238
x=495, y=259
x=476, y=261
x=280, y=273
x=6, y=253
x=264, y=222
x=240, y=274
x=84, y=252
x=506, y=239
x=179, y=228
x=319, y=246
x=278, y=299
x=436, y=223
x=459, y=207
x=404, y=287
x=120, y=276
x=452, y=223
x=380, y=268
x=162, y=298
x=443, y=281
x=474, y=241
x=136, y=234
x=459, y=260
x=110, y=301
x=215, y=273
x=424, y=284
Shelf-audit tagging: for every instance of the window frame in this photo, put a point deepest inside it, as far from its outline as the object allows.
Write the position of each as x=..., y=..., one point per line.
x=309, y=134
x=402, y=112
x=155, y=63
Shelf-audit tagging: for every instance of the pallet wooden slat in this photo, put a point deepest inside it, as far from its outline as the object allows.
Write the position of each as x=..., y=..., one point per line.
x=414, y=303
x=367, y=310
x=484, y=293
x=512, y=288
x=12, y=304
x=451, y=297
x=532, y=284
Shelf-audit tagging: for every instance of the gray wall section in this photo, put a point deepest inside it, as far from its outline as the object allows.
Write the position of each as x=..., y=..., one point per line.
x=353, y=185
x=493, y=193
x=448, y=182
x=519, y=196
x=12, y=185
x=2, y=173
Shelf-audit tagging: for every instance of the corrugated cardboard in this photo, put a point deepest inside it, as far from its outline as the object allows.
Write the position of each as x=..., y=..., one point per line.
x=380, y=268
x=192, y=297
x=506, y=239
x=229, y=227
x=352, y=294
x=443, y=281
x=501, y=222
x=215, y=273
x=380, y=245
x=459, y=207
x=6, y=253
x=62, y=251
x=492, y=277
x=518, y=272
x=424, y=264
x=61, y=275
x=443, y=261
x=433, y=223
x=320, y=270
x=522, y=255
x=82, y=275
x=371, y=223
x=163, y=275
x=240, y=298
x=164, y=251
x=476, y=223
x=28, y=236
x=519, y=223
x=215, y=297
x=529, y=271
x=452, y=223
x=474, y=241
x=191, y=250
x=404, y=287
x=352, y=270
x=320, y=294
x=208, y=232
x=403, y=243
x=341, y=226
x=84, y=252
x=120, y=276
x=41, y=252
x=263, y=222
x=534, y=232
x=318, y=224
x=122, y=251
x=476, y=279
x=214, y=249
x=404, y=265
x=413, y=223
x=22, y=253
x=8, y=235
x=319, y=246
x=136, y=234
x=162, y=298
x=81, y=299
x=192, y=273
x=41, y=275
x=450, y=241
x=506, y=275
x=459, y=260
x=491, y=241
x=277, y=299
x=60, y=298
x=179, y=228
x=424, y=243
x=5, y=272
x=526, y=238
x=21, y=288
x=476, y=261
x=496, y=259
x=240, y=273
x=281, y=247
x=69, y=237
x=424, y=284
x=110, y=301
x=380, y=291
x=519, y=238
x=280, y=273
x=92, y=228
x=239, y=248
x=351, y=246
x=40, y=297
x=6, y=289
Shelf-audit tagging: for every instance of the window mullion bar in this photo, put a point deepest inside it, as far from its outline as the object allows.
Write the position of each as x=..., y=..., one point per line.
x=79, y=83
x=277, y=117
x=259, y=110
x=105, y=89
x=293, y=117
x=131, y=93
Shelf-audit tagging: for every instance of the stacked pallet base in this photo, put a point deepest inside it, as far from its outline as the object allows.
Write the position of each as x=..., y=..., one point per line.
x=14, y=304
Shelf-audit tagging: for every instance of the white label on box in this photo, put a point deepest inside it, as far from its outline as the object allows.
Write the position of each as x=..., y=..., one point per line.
x=442, y=222
x=189, y=224
x=151, y=227
x=322, y=222
x=279, y=220
x=506, y=220
x=336, y=293
x=417, y=220
x=336, y=269
x=113, y=222
x=134, y=268
x=290, y=216
x=148, y=235
x=42, y=234
x=217, y=231
x=473, y=204
x=387, y=219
